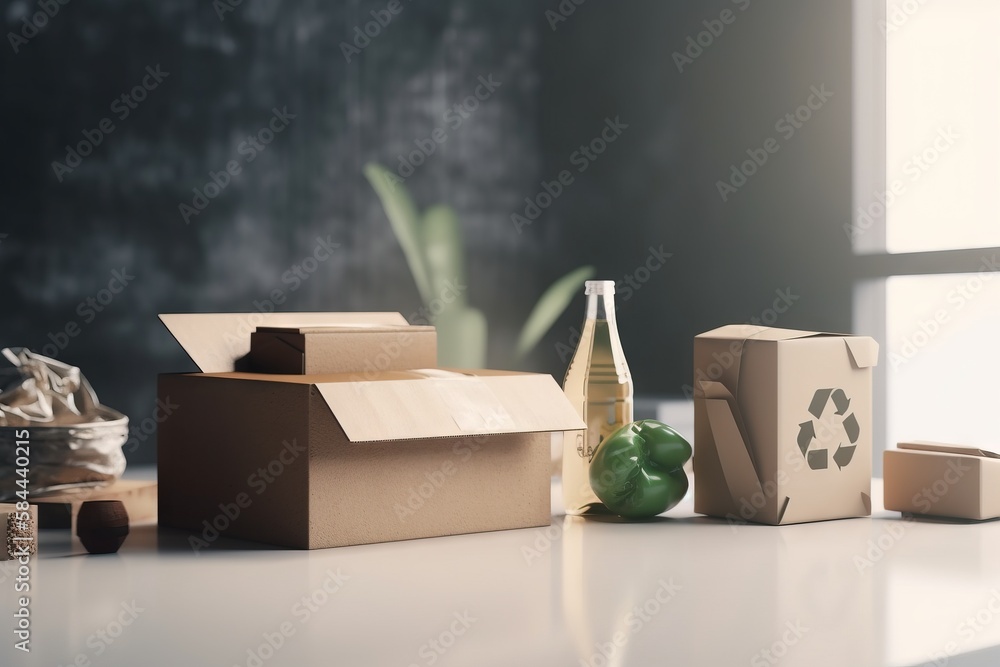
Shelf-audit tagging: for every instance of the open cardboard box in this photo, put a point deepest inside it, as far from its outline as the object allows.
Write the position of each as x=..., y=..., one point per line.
x=942, y=480
x=782, y=424
x=313, y=461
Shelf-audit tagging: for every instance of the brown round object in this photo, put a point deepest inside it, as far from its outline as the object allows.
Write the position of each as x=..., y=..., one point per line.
x=102, y=525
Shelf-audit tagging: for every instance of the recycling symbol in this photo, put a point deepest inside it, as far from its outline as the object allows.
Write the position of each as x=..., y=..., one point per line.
x=815, y=456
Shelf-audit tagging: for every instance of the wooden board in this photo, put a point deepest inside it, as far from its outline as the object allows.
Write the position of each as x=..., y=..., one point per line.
x=59, y=509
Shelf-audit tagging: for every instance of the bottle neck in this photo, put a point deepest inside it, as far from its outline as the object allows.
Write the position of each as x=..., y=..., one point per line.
x=601, y=307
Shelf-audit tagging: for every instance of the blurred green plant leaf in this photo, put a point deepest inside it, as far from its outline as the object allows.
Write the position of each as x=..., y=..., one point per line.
x=461, y=338
x=549, y=307
x=405, y=221
x=442, y=243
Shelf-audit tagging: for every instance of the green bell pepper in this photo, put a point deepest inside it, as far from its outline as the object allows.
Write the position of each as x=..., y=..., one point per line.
x=638, y=471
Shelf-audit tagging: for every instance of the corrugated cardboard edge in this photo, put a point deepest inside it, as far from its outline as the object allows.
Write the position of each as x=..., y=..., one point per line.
x=215, y=342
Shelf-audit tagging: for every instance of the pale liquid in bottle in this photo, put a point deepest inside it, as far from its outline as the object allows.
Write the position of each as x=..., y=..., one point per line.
x=599, y=386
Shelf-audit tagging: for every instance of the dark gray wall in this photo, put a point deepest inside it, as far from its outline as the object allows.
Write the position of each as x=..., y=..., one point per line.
x=656, y=184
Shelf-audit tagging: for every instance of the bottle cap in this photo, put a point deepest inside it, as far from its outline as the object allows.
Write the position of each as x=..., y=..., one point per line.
x=599, y=287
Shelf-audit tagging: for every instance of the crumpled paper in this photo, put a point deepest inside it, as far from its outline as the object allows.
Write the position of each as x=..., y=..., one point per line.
x=73, y=440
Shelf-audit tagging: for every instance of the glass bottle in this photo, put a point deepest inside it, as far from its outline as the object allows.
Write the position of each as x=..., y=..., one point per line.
x=599, y=386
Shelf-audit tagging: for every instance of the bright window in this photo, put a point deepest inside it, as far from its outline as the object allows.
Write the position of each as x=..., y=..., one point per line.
x=942, y=124
x=942, y=361
x=927, y=214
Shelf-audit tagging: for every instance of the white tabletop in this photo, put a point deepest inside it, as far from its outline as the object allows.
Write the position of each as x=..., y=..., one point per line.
x=680, y=590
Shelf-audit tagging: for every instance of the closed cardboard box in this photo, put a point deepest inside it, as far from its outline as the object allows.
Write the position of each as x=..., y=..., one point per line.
x=939, y=479
x=312, y=461
x=782, y=424
x=342, y=349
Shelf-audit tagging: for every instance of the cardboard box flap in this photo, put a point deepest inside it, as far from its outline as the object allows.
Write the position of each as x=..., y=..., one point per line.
x=438, y=403
x=927, y=446
x=734, y=453
x=753, y=332
x=217, y=342
x=863, y=351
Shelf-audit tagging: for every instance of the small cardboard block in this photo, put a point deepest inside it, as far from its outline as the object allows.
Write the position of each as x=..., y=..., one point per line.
x=325, y=460
x=59, y=510
x=342, y=349
x=945, y=480
x=15, y=533
x=782, y=424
